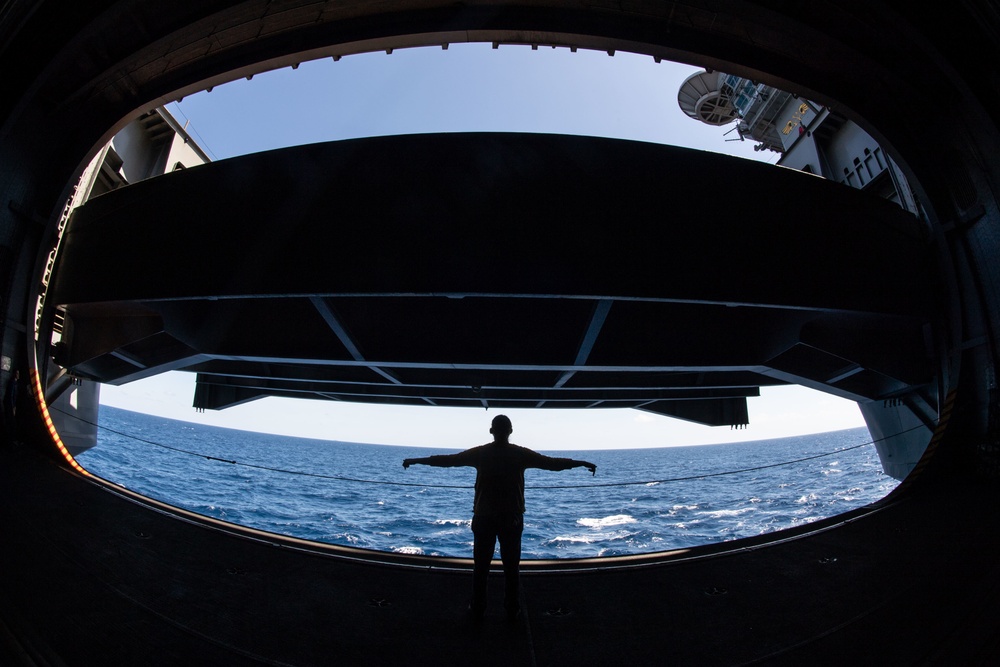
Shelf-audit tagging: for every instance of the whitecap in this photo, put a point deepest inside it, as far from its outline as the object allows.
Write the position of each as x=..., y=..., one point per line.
x=612, y=552
x=576, y=539
x=411, y=551
x=453, y=522
x=652, y=483
x=614, y=520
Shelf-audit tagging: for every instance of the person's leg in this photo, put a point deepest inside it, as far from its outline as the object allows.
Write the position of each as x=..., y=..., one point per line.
x=510, y=554
x=485, y=536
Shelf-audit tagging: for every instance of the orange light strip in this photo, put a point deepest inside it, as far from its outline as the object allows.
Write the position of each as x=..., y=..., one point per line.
x=36, y=380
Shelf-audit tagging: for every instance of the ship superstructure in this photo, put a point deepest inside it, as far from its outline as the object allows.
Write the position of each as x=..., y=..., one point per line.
x=816, y=139
x=151, y=145
x=809, y=136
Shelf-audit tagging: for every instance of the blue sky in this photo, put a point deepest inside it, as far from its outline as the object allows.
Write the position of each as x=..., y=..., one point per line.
x=468, y=87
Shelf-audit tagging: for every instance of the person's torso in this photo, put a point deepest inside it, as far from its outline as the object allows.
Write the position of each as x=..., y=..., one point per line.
x=499, y=480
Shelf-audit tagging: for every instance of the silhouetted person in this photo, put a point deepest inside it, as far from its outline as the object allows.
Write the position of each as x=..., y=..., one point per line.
x=498, y=508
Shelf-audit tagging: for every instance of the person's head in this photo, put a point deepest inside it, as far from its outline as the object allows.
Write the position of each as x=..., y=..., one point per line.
x=501, y=428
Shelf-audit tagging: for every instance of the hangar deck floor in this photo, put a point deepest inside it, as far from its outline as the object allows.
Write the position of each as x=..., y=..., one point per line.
x=92, y=577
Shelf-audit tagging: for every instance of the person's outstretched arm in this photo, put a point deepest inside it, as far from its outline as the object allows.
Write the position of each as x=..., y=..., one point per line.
x=556, y=463
x=441, y=460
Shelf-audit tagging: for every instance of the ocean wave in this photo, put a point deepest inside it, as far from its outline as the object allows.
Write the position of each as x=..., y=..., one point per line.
x=719, y=514
x=614, y=552
x=410, y=551
x=453, y=522
x=575, y=539
x=591, y=538
x=684, y=525
x=614, y=520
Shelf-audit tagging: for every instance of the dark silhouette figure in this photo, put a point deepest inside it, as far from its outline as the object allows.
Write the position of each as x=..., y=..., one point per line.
x=498, y=508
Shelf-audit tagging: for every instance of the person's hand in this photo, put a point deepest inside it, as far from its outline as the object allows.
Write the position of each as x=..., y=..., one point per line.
x=407, y=463
x=592, y=468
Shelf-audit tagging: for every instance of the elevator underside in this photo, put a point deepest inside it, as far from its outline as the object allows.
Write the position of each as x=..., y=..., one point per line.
x=499, y=270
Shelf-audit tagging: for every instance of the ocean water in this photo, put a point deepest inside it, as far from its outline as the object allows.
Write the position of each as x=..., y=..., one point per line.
x=642, y=500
